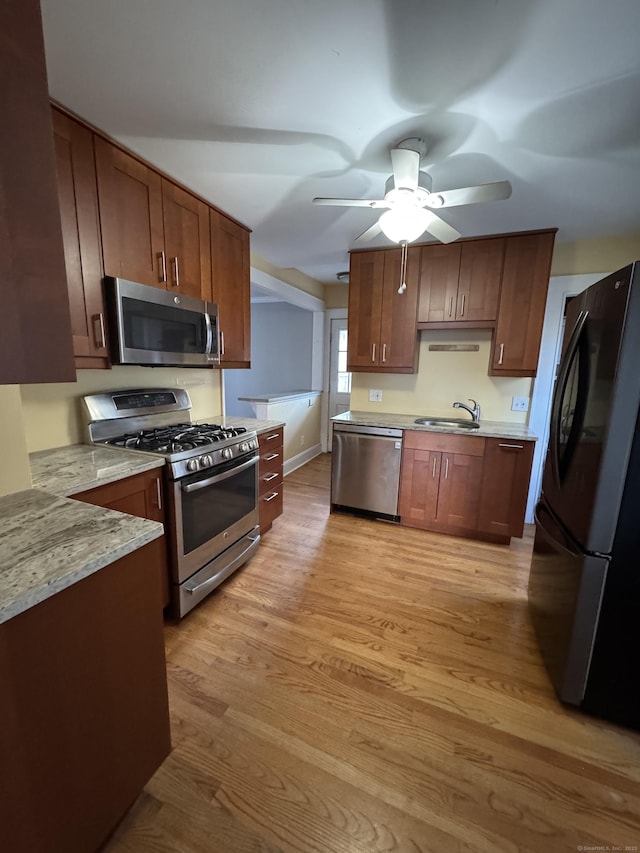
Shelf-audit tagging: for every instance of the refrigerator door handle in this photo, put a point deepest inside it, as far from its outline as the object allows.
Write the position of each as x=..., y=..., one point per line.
x=577, y=340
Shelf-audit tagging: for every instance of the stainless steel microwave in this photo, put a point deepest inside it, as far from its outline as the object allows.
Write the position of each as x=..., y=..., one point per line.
x=150, y=326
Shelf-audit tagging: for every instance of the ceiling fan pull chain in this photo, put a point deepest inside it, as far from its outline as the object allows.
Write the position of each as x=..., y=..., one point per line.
x=403, y=268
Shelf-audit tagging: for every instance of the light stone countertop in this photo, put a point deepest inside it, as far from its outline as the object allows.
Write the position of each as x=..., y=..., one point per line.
x=48, y=543
x=487, y=429
x=69, y=470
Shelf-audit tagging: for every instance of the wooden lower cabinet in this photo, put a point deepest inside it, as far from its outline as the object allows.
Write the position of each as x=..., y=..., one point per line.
x=141, y=495
x=270, y=476
x=440, y=481
x=505, y=485
x=84, y=718
x=465, y=485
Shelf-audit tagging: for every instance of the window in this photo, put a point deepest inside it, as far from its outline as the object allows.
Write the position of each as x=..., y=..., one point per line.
x=344, y=377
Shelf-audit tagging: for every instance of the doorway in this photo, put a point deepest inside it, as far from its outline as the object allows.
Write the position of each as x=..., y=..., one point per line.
x=337, y=384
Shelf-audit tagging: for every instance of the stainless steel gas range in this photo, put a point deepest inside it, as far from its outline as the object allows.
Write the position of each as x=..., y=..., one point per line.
x=211, y=480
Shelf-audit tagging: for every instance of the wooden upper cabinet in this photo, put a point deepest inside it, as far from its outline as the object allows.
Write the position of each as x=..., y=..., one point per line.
x=78, y=199
x=460, y=283
x=439, y=273
x=35, y=329
x=187, y=245
x=382, y=322
x=153, y=231
x=131, y=215
x=231, y=288
x=479, y=281
x=523, y=296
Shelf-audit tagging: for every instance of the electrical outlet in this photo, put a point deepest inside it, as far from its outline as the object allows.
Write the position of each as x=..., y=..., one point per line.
x=375, y=396
x=519, y=404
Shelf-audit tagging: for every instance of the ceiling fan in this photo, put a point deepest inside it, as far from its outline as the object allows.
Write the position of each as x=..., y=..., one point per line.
x=410, y=203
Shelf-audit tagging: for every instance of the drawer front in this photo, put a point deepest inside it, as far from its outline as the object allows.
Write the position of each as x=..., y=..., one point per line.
x=271, y=438
x=470, y=445
x=270, y=507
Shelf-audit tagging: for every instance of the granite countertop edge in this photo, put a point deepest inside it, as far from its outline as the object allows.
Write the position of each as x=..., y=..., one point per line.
x=487, y=429
x=48, y=543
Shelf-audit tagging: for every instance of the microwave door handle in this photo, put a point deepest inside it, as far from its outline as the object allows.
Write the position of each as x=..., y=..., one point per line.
x=218, y=478
x=209, y=338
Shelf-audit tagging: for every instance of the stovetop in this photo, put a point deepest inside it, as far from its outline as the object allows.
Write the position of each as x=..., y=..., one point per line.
x=177, y=438
x=153, y=421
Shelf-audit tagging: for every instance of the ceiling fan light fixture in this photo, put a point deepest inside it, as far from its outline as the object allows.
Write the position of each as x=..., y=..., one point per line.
x=402, y=226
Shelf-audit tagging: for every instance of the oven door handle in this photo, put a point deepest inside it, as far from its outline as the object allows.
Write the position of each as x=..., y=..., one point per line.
x=218, y=478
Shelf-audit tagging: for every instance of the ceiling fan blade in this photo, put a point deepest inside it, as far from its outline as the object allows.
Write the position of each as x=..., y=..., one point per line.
x=352, y=202
x=406, y=165
x=495, y=191
x=370, y=233
x=441, y=230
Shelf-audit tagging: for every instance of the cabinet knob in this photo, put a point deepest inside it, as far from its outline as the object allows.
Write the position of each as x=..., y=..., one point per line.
x=176, y=271
x=501, y=356
x=162, y=266
x=373, y=352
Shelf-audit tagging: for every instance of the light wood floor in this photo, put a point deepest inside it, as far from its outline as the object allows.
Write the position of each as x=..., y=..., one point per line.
x=362, y=687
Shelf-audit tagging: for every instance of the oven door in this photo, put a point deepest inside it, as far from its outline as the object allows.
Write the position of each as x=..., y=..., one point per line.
x=213, y=509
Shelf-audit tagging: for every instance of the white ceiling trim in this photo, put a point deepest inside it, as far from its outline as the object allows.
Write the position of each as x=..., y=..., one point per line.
x=286, y=292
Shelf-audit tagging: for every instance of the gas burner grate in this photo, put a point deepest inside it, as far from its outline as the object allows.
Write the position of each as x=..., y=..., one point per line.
x=176, y=438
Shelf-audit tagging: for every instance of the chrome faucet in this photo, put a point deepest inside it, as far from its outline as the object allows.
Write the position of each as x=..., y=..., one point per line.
x=475, y=412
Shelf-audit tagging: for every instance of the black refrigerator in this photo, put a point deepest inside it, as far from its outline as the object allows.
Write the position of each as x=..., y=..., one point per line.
x=584, y=583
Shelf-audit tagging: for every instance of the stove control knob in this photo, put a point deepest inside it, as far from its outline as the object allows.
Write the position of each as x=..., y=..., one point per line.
x=244, y=447
x=192, y=465
x=206, y=461
x=226, y=453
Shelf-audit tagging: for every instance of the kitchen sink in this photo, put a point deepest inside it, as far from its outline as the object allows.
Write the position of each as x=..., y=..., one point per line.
x=447, y=423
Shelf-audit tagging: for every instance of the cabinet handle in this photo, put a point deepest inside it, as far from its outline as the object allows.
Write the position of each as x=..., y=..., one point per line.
x=512, y=446
x=451, y=306
x=158, y=494
x=271, y=497
x=446, y=467
x=221, y=342
x=98, y=325
x=433, y=469
x=162, y=266
x=373, y=352
x=384, y=353
x=269, y=477
x=271, y=456
x=272, y=436
x=176, y=271
x=462, y=309
x=501, y=356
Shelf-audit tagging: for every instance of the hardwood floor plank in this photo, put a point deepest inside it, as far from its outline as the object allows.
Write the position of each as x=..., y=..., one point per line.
x=361, y=687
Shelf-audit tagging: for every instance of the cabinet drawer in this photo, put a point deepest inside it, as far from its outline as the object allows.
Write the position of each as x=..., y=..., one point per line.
x=470, y=445
x=271, y=438
x=270, y=507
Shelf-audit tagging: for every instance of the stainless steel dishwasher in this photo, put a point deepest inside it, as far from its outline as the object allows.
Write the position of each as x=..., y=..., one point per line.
x=365, y=469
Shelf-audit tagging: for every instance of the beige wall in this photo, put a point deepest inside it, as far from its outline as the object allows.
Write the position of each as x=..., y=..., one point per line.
x=302, y=423
x=336, y=295
x=14, y=463
x=604, y=255
x=442, y=378
x=52, y=413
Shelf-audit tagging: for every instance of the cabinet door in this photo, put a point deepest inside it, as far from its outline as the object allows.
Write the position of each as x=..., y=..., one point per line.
x=419, y=486
x=479, y=280
x=505, y=485
x=366, y=280
x=397, y=350
x=35, y=331
x=78, y=199
x=459, y=497
x=232, y=289
x=130, y=198
x=523, y=296
x=186, y=241
x=439, y=271
x=141, y=495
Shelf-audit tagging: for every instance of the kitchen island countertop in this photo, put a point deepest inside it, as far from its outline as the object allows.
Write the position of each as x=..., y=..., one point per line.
x=487, y=429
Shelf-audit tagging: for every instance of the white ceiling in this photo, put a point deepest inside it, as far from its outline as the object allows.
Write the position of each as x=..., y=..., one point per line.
x=260, y=105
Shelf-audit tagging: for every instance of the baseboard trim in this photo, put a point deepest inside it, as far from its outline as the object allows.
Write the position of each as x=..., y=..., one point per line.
x=301, y=459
